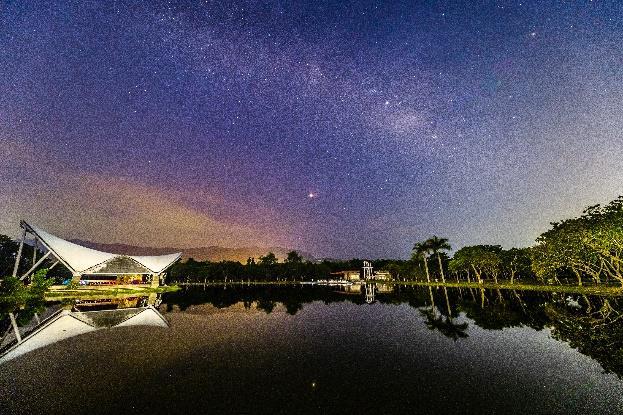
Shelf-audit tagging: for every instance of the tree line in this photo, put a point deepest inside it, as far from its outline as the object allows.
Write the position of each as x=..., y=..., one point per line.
x=588, y=248
x=579, y=250
x=268, y=268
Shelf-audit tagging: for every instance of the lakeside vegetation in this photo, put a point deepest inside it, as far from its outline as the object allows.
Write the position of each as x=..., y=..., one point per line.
x=54, y=293
x=29, y=299
x=588, y=248
x=15, y=290
x=592, y=289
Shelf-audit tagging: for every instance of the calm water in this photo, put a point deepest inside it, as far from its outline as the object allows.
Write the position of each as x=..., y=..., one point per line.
x=318, y=350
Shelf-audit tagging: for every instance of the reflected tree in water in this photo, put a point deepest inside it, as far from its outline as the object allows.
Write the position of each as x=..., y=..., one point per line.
x=595, y=329
x=445, y=324
x=266, y=305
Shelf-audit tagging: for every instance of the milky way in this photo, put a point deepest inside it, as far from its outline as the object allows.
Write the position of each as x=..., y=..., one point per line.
x=478, y=121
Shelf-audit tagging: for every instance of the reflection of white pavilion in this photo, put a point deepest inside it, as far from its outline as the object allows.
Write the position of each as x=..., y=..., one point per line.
x=64, y=324
x=93, y=266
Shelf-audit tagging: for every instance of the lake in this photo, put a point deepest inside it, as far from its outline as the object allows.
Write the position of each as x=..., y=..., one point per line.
x=318, y=349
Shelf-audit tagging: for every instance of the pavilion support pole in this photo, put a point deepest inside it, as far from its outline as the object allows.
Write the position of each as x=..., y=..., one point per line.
x=6, y=333
x=54, y=264
x=151, y=299
x=34, y=250
x=15, y=329
x=19, y=253
x=43, y=258
x=155, y=280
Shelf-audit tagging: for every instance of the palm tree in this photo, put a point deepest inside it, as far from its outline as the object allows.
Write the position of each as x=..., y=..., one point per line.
x=421, y=250
x=435, y=246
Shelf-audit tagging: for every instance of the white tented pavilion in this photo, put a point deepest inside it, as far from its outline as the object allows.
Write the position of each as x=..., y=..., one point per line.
x=90, y=266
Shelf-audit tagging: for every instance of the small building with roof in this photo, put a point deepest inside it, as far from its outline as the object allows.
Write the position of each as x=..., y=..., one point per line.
x=347, y=275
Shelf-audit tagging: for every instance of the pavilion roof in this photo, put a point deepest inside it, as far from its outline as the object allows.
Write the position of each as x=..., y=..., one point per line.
x=81, y=259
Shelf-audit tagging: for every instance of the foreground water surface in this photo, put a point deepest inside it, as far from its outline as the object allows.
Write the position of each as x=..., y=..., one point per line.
x=310, y=349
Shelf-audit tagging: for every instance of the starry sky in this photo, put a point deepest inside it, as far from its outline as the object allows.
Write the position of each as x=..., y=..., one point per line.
x=346, y=128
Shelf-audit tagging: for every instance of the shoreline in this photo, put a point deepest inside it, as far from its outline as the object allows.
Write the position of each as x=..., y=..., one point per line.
x=604, y=290
x=61, y=292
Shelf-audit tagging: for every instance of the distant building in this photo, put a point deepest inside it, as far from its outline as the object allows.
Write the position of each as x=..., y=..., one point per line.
x=370, y=275
x=350, y=275
x=91, y=267
x=382, y=275
x=366, y=273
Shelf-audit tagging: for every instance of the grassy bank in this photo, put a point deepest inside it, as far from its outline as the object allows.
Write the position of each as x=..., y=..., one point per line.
x=609, y=290
x=61, y=292
x=58, y=292
x=220, y=283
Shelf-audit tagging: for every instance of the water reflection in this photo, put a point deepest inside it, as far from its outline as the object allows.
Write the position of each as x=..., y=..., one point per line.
x=43, y=326
x=370, y=290
x=302, y=349
x=445, y=324
x=592, y=324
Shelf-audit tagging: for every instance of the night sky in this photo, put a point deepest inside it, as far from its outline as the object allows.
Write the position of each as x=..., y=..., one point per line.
x=339, y=128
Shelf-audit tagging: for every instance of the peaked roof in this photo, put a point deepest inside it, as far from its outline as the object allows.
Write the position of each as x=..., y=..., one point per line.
x=80, y=258
x=158, y=262
x=119, y=264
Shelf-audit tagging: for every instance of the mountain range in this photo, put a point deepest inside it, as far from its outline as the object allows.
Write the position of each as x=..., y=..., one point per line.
x=206, y=253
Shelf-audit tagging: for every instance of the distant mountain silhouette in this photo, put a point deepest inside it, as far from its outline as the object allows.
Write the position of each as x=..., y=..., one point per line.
x=206, y=253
